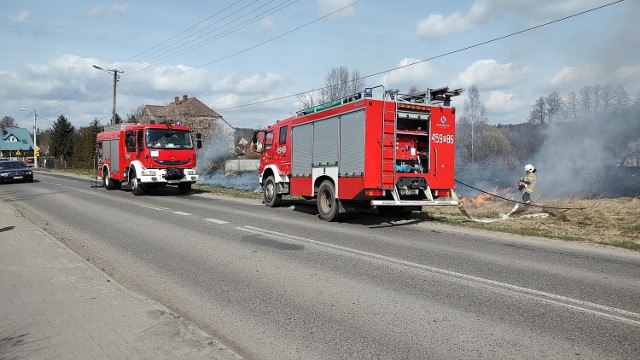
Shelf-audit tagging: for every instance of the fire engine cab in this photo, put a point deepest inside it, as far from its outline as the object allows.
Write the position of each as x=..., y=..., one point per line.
x=147, y=156
x=395, y=152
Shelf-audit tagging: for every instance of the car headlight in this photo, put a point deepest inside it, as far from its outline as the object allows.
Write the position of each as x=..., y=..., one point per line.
x=4, y=174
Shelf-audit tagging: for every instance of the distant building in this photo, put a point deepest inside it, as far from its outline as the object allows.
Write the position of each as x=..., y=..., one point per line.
x=191, y=112
x=15, y=142
x=220, y=140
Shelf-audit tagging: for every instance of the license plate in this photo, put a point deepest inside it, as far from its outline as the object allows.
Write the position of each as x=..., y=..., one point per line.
x=17, y=177
x=173, y=181
x=408, y=191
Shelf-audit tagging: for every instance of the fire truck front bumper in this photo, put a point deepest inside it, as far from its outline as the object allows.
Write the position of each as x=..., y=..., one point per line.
x=168, y=176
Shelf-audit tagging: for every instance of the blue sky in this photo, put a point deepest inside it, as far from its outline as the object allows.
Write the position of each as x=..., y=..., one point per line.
x=49, y=47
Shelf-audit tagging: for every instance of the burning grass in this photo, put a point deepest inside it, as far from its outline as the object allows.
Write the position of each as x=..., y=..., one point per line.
x=603, y=221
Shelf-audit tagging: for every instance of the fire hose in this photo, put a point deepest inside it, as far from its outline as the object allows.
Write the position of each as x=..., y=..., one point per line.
x=515, y=207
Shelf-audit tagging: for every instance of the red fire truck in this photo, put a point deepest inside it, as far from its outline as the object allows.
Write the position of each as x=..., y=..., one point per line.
x=147, y=156
x=395, y=152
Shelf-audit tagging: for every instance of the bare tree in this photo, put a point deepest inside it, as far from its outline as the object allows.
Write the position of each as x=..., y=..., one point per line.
x=357, y=83
x=136, y=114
x=339, y=82
x=597, y=94
x=474, y=114
x=571, y=105
x=621, y=99
x=538, y=112
x=554, y=105
x=586, y=99
x=7, y=122
x=305, y=101
x=606, y=96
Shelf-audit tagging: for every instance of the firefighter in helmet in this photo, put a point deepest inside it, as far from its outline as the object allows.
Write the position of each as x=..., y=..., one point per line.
x=527, y=183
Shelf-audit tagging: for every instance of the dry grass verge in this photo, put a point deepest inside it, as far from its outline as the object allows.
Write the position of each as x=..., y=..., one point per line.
x=604, y=221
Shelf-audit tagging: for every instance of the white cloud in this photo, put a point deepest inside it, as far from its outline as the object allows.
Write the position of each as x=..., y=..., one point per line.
x=437, y=26
x=267, y=24
x=501, y=102
x=180, y=78
x=488, y=74
x=572, y=77
x=258, y=83
x=328, y=6
x=108, y=10
x=408, y=74
x=20, y=17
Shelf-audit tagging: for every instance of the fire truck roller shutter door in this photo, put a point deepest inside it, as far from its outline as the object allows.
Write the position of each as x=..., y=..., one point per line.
x=115, y=155
x=301, y=145
x=325, y=142
x=352, y=144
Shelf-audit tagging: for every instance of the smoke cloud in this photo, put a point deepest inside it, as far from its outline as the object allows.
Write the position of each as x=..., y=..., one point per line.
x=218, y=147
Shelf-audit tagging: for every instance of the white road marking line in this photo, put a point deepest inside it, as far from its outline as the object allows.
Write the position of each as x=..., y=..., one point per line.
x=182, y=213
x=221, y=222
x=159, y=208
x=624, y=316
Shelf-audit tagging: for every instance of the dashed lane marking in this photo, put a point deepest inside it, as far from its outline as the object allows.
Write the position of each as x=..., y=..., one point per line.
x=182, y=213
x=221, y=222
x=611, y=313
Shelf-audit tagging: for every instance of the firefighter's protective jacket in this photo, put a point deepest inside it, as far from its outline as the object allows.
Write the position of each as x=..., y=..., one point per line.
x=530, y=180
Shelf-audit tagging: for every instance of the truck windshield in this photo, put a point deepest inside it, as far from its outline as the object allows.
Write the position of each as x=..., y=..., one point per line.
x=168, y=139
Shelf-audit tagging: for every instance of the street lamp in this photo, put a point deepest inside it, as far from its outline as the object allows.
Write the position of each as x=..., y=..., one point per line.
x=115, y=84
x=35, y=131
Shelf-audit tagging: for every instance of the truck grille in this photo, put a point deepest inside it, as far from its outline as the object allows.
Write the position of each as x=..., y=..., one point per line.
x=172, y=162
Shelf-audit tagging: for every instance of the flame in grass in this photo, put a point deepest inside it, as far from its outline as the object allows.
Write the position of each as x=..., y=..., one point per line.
x=484, y=198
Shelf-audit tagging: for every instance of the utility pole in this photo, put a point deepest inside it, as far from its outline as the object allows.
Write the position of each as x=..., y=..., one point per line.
x=115, y=86
x=35, y=131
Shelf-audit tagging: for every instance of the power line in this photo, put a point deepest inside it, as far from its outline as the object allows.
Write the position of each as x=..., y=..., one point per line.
x=262, y=43
x=186, y=30
x=431, y=58
x=98, y=82
x=223, y=34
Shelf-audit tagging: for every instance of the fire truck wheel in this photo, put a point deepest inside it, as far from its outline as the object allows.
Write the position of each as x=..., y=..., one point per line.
x=134, y=183
x=327, y=203
x=109, y=183
x=270, y=197
x=184, y=188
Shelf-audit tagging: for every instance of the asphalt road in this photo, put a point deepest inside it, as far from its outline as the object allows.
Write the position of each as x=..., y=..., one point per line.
x=281, y=283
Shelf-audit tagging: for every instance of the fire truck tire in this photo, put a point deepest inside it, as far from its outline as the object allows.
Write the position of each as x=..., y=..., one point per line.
x=109, y=183
x=184, y=188
x=269, y=190
x=134, y=183
x=327, y=202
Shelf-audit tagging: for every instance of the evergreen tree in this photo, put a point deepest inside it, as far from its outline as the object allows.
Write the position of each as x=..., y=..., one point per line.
x=62, y=137
x=84, y=145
